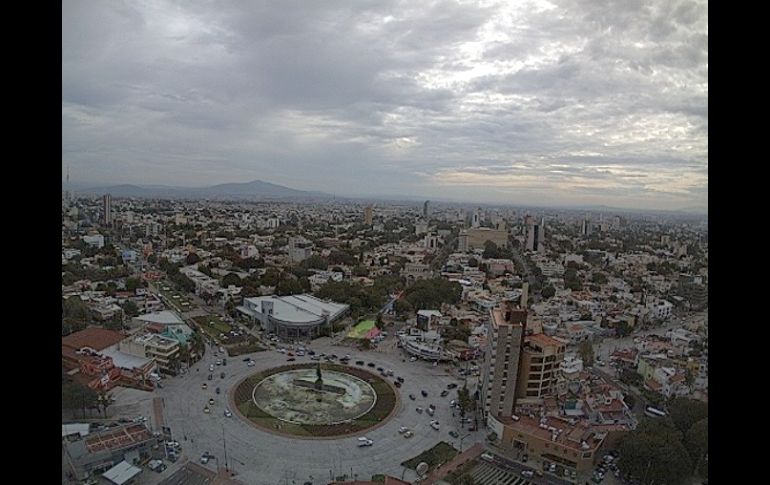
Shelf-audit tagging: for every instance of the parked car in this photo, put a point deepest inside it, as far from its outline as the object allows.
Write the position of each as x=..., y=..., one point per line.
x=224, y=361
x=210, y=376
x=487, y=457
x=221, y=375
x=430, y=411
x=218, y=390
x=444, y=393
x=408, y=434
x=370, y=364
x=419, y=410
x=247, y=359
x=211, y=367
x=434, y=425
x=424, y=393
x=206, y=410
x=454, y=434
x=400, y=379
x=205, y=458
x=411, y=396
x=204, y=386
x=211, y=401
x=359, y=362
x=527, y=473
x=396, y=383
x=290, y=359
x=251, y=363
x=451, y=386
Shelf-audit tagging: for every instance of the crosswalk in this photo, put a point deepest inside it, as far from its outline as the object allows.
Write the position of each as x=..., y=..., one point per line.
x=488, y=474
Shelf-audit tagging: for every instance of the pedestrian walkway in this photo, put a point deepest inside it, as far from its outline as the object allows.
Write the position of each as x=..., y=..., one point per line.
x=455, y=463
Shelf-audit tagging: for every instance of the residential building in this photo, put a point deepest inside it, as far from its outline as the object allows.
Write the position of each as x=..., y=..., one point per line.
x=573, y=445
x=94, y=240
x=98, y=452
x=164, y=351
x=501, y=361
x=541, y=357
x=534, y=235
x=368, y=216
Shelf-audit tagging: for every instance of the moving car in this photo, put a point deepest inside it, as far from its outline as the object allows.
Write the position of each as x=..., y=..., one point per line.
x=290, y=359
x=487, y=457
x=424, y=393
x=228, y=414
x=411, y=396
x=402, y=430
x=359, y=362
x=454, y=434
x=527, y=473
x=206, y=410
x=222, y=375
x=419, y=410
x=251, y=363
x=444, y=393
x=205, y=458
x=451, y=386
x=370, y=364
x=396, y=383
x=204, y=386
x=408, y=434
x=218, y=390
x=400, y=379
x=364, y=441
x=211, y=401
x=434, y=425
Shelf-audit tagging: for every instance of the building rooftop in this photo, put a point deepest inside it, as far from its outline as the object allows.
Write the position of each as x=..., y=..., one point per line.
x=166, y=317
x=571, y=436
x=93, y=337
x=299, y=308
x=118, y=438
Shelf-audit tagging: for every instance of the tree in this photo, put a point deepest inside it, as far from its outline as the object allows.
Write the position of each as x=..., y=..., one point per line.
x=654, y=453
x=133, y=283
x=75, y=308
x=231, y=279
x=366, y=344
x=378, y=322
x=78, y=396
x=685, y=412
x=697, y=442
x=473, y=262
x=403, y=307
x=586, y=350
x=548, y=292
x=130, y=308
x=192, y=258
x=360, y=270
x=490, y=250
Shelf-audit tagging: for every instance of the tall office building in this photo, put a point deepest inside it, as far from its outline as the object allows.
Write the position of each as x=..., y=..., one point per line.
x=585, y=228
x=534, y=235
x=368, y=216
x=107, y=209
x=426, y=209
x=507, y=325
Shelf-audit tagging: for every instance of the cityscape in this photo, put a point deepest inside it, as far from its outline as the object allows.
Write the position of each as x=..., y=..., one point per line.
x=267, y=278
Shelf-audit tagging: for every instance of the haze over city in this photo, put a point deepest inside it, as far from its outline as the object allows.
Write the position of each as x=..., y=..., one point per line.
x=552, y=103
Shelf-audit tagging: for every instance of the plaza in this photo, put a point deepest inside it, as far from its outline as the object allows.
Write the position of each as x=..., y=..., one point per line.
x=259, y=456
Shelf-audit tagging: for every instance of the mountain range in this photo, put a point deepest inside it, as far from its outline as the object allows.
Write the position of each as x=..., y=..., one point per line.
x=256, y=189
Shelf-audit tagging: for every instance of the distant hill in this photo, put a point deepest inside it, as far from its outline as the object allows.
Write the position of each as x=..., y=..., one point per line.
x=256, y=189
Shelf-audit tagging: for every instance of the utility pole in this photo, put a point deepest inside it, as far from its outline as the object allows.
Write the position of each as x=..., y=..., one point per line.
x=224, y=441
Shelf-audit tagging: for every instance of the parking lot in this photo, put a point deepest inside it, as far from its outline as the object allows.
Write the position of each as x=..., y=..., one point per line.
x=260, y=457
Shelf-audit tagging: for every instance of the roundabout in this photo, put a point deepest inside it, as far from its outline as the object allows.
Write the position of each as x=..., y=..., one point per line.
x=314, y=400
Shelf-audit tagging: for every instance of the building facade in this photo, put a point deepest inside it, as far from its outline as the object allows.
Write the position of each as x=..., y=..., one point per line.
x=541, y=357
x=501, y=362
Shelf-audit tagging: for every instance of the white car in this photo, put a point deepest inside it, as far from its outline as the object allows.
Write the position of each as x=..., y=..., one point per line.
x=403, y=429
x=434, y=425
x=250, y=363
x=487, y=457
x=408, y=434
x=228, y=414
x=211, y=367
x=527, y=473
x=364, y=441
x=413, y=359
x=205, y=458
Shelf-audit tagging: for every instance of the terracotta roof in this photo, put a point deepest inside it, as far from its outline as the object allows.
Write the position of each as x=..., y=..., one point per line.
x=96, y=338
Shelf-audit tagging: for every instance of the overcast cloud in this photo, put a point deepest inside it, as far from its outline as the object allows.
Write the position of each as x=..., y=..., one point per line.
x=536, y=102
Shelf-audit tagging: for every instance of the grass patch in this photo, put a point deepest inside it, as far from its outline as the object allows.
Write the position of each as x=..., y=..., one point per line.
x=212, y=325
x=386, y=401
x=441, y=453
x=249, y=347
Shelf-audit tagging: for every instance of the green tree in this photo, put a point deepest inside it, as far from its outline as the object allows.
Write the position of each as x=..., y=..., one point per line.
x=473, y=262
x=403, y=307
x=548, y=292
x=231, y=279
x=192, y=258
x=599, y=278
x=366, y=344
x=130, y=308
x=685, y=412
x=586, y=351
x=360, y=270
x=654, y=453
x=697, y=443
x=75, y=308
x=78, y=396
x=490, y=250
x=133, y=283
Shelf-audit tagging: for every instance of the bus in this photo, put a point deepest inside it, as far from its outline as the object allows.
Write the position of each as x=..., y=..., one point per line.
x=654, y=412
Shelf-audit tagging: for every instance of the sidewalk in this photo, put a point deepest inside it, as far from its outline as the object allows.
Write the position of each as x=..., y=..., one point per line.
x=456, y=462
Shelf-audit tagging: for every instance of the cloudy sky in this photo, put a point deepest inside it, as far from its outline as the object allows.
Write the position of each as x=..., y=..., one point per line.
x=545, y=102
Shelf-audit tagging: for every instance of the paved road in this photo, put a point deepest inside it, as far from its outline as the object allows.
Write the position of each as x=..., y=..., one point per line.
x=261, y=458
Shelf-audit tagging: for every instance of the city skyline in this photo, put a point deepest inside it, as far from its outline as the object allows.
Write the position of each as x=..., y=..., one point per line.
x=563, y=103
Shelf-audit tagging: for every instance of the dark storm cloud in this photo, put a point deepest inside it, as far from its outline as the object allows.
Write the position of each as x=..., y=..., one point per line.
x=570, y=101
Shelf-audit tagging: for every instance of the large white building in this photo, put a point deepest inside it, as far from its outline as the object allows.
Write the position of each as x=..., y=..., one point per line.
x=295, y=316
